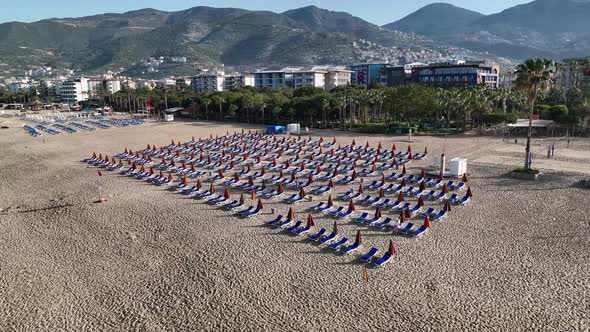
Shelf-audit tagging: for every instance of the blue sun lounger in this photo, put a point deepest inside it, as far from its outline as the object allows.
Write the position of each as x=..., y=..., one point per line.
x=283, y=223
x=355, y=196
x=295, y=226
x=440, y=196
x=362, y=218
x=402, y=207
x=298, y=200
x=275, y=220
x=245, y=211
x=329, y=238
x=440, y=215
x=415, y=209
x=317, y=206
x=420, y=231
x=453, y=198
x=318, y=235
x=407, y=228
x=374, y=202
x=290, y=199
x=337, y=245
x=428, y=212
x=373, y=220
x=384, y=203
x=347, y=214
x=383, y=259
x=325, y=208
x=351, y=248
x=337, y=212
x=464, y=200
x=394, y=205
x=429, y=194
x=409, y=191
x=303, y=230
x=383, y=223
x=365, y=199
x=345, y=196
x=369, y=255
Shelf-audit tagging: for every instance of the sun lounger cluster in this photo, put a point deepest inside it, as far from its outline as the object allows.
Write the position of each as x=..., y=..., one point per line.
x=242, y=172
x=61, y=124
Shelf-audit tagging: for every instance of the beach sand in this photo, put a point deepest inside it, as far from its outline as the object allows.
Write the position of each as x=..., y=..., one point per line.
x=516, y=258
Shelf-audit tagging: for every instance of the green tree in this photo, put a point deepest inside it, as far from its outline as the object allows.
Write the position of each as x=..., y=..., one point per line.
x=533, y=75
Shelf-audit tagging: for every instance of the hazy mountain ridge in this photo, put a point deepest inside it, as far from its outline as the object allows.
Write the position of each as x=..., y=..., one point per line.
x=551, y=28
x=205, y=35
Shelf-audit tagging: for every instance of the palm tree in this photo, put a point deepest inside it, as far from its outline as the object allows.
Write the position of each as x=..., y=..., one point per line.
x=533, y=75
x=219, y=100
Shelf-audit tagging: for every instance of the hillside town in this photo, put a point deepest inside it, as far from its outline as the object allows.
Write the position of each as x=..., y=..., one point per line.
x=67, y=88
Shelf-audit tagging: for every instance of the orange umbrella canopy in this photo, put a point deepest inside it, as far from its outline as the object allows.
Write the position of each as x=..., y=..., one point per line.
x=391, y=249
x=469, y=193
x=310, y=179
x=226, y=194
x=445, y=189
x=354, y=175
x=378, y=212
x=402, y=218
x=331, y=184
x=185, y=181
x=198, y=185
x=170, y=177
x=358, y=237
x=360, y=188
x=427, y=222
x=381, y=193
x=407, y=213
x=404, y=169
x=447, y=206
x=253, y=195
x=464, y=178
x=242, y=198
x=280, y=188
x=212, y=188
x=400, y=197
x=302, y=192
x=161, y=174
x=422, y=185
x=420, y=201
x=310, y=221
x=351, y=206
x=291, y=214
x=330, y=201
x=259, y=206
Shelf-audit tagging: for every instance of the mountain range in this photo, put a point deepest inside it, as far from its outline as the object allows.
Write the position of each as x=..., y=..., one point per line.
x=205, y=35
x=309, y=35
x=542, y=28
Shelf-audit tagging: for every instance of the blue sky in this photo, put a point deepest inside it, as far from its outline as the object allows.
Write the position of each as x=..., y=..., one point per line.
x=375, y=11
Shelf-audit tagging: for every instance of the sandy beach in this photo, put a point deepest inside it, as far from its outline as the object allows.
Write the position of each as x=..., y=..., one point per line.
x=516, y=258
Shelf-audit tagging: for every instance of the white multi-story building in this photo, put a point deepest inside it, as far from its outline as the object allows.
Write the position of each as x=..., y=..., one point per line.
x=112, y=85
x=73, y=90
x=232, y=82
x=337, y=77
x=269, y=79
x=574, y=73
x=208, y=83
x=303, y=78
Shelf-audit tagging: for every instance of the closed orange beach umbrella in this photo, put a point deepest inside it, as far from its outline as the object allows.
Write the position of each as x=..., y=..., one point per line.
x=170, y=177
x=351, y=206
x=253, y=195
x=185, y=181
x=331, y=184
x=464, y=178
x=378, y=212
x=291, y=214
x=241, y=198
x=360, y=188
x=469, y=193
x=427, y=222
x=420, y=201
x=226, y=193
x=212, y=188
x=391, y=249
x=309, y=221
x=199, y=185
x=330, y=201
x=381, y=193
x=407, y=213
x=259, y=206
x=358, y=237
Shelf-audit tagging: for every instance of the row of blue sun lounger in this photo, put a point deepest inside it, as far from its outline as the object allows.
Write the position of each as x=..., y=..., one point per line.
x=331, y=240
x=48, y=129
x=32, y=131
x=82, y=126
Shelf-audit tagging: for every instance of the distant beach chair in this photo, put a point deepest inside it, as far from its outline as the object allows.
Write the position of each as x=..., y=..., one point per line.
x=369, y=255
